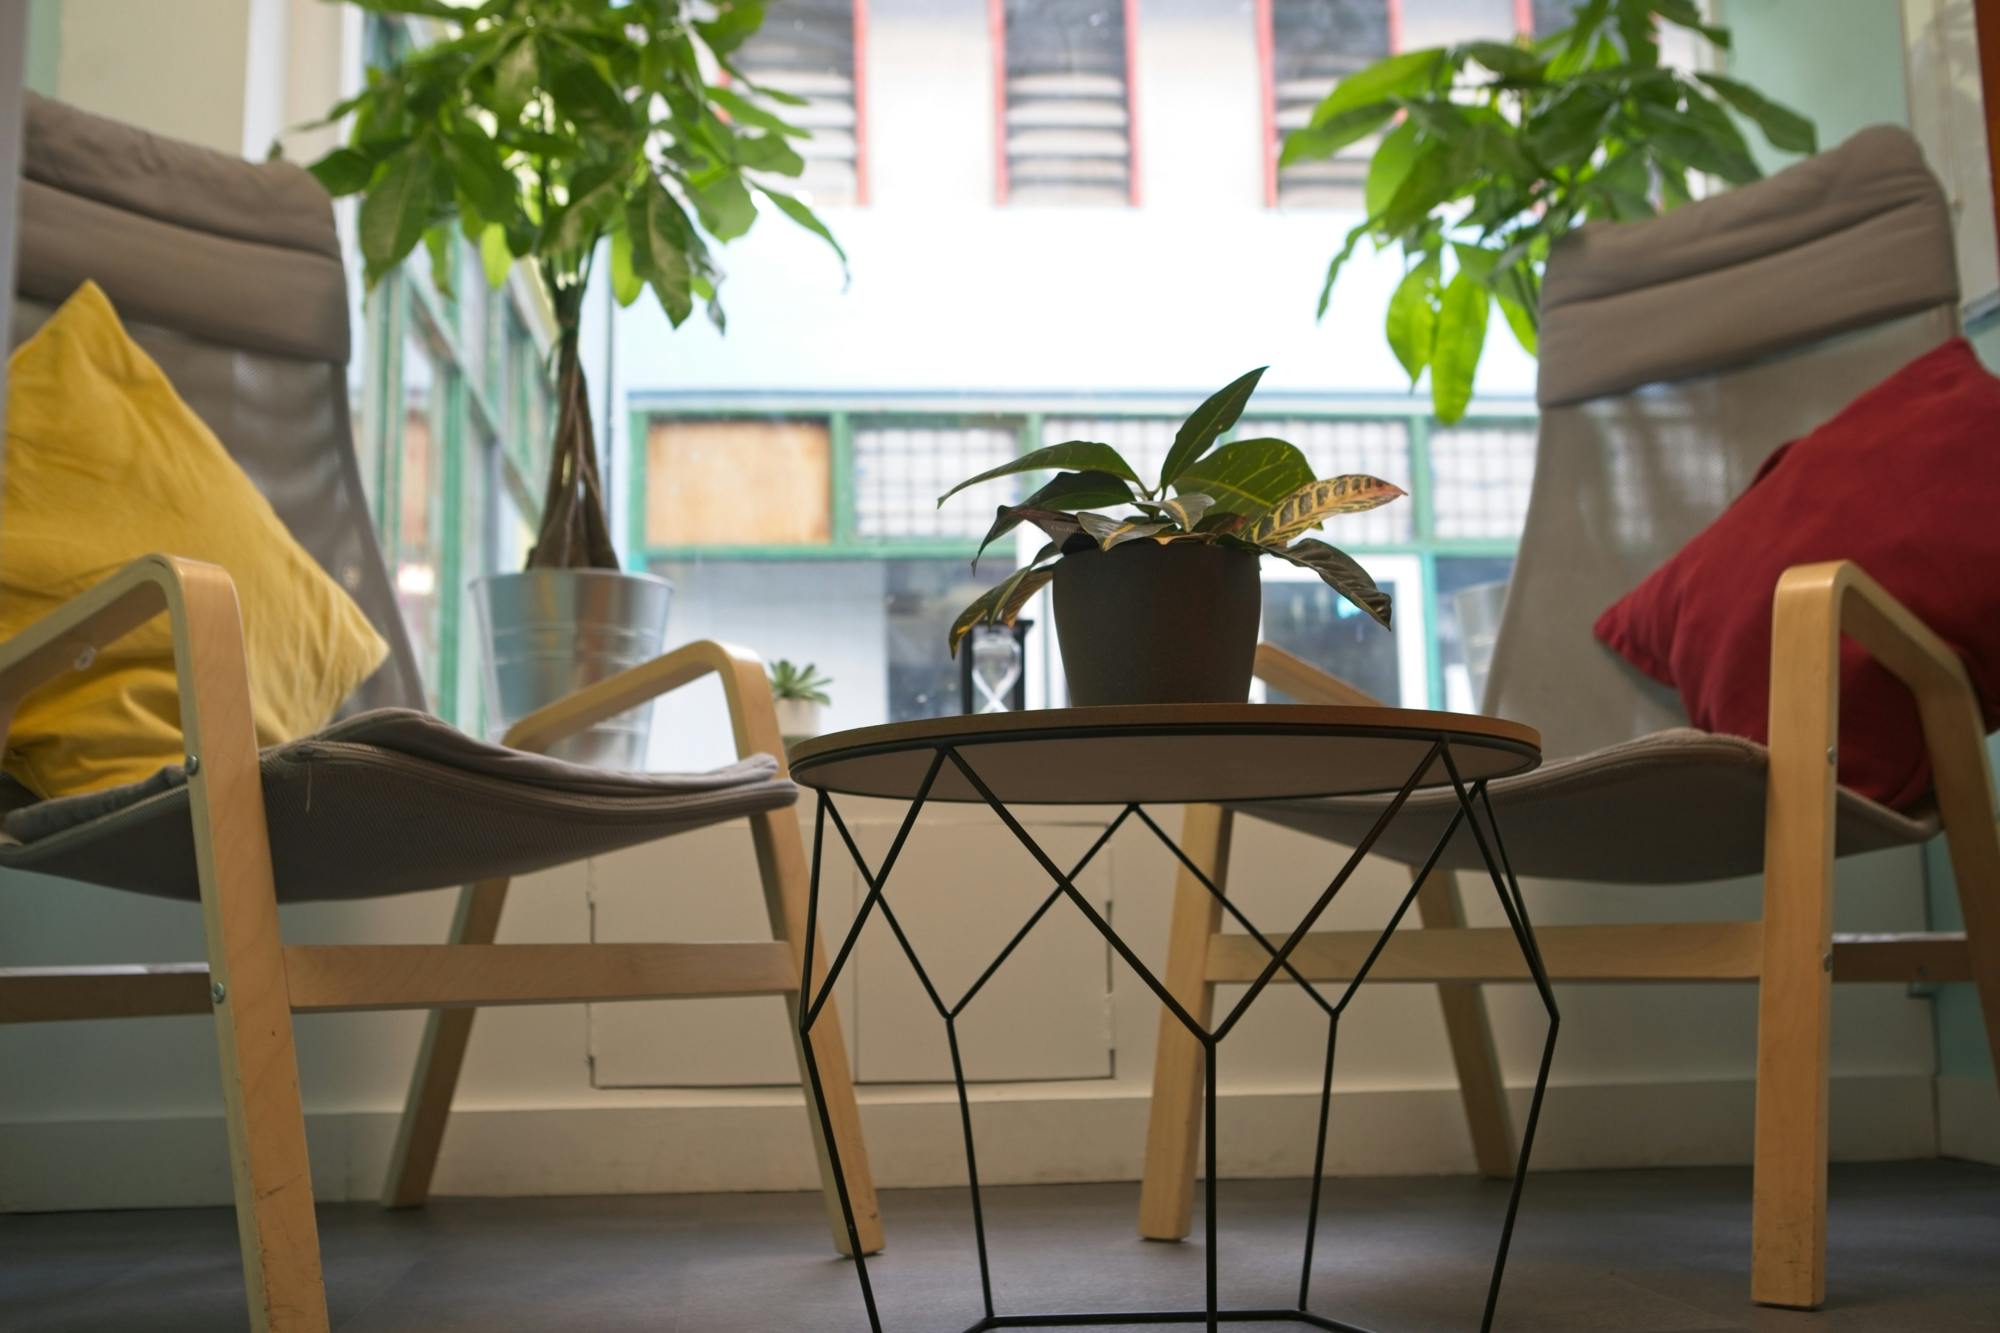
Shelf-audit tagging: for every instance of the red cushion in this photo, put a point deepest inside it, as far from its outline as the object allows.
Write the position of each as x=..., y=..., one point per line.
x=1906, y=483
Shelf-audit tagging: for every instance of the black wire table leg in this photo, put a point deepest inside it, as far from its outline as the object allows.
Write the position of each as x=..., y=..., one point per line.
x=1471, y=799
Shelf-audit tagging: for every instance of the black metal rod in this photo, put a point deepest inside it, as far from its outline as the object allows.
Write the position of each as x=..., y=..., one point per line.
x=1402, y=910
x=1123, y=950
x=1319, y=1162
x=1208, y=1064
x=1039, y=912
x=1235, y=912
x=1118, y=1317
x=812, y=908
x=875, y=881
x=819, y=1095
x=971, y=1165
x=1361, y=850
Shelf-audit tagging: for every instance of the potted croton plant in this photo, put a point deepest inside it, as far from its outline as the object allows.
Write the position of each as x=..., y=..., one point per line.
x=1157, y=595
x=540, y=129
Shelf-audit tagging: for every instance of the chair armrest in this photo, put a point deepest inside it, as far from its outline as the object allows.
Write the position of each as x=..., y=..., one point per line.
x=1813, y=607
x=746, y=689
x=1302, y=680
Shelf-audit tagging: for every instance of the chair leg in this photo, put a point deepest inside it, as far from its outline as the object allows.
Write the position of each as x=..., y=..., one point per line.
x=1471, y=1034
x=781, y=863
x=1173, y=1129
x=1795, y=992
x=441, y=1056
x=1955, y=737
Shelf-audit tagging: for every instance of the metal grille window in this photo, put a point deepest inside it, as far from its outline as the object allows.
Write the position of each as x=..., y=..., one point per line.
x=813, y=49
x=1065, y=93
x=1307, y=46
x=900, y=471
x=1378, y=447
x=1549, y=16
x=1143, y=441
x=1480, y=475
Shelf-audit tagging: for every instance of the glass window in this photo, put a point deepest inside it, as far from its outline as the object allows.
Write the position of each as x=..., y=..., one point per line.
x=1470, y=593
x=811, y=49
x=1305, y=617
x=416, y=536
x=738, y=481
x=900, y=470
x=1066, y=102
x=1312, y=45
x=1483, y=473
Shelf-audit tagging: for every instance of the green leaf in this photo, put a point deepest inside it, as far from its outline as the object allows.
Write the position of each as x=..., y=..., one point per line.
x=513, y=82
x=1686, y=14
x=343, y=171
x=494, y=255
x=734, y=23
x=479, y=173
x=1084, y=455
x=1397, y=76
x=575, y=227
x=1340, y=572
x=396, y=210
x=1002, y=603
x=1108, y=532
x=660, y=239
x=1568, y=132
x=437, y=242
x=1520, y=304
x=1412, y=318
x=581, y=92
x=1248, y=476
x=1785, y=128
x=746, y=112
x=1316, y=501
x=1312, y=142
x=805, y=217
x=626, y=286
x=1338, y=262
x=1067, y=491
x=1184, y=513
x=1391, y=165
x=1461, y=338
x=724, y=205
x=768, y=152
x=1207, y=423
x=1506, y=59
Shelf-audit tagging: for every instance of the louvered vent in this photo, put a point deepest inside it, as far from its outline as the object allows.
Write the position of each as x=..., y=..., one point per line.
x=1552, y=15
x=1314, y=43
x=809, y=48
x=1067, y=103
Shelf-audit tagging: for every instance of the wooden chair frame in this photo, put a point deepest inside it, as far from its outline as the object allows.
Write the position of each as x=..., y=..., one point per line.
x=1791, y=953
x=253, y=982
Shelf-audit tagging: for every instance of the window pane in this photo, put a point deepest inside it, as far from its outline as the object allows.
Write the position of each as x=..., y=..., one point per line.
x=1314, y=43
x=1481, y=579
x=901, y=470
x=1068, y=132
x=1481, y=477
x=1312, y=621
x=807, y=48
x=738, y=482
x=419, y=464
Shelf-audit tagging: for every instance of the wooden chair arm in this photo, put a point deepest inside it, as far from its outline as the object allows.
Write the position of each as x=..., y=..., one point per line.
x=1304, y=681
x=753, y=717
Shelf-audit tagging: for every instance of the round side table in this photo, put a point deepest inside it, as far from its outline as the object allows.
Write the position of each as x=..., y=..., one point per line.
x=1171, y=754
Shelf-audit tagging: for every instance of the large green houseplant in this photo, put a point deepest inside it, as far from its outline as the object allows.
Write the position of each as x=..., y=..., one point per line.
x=1158, y=601
x=539, y=130
x=1495, y=150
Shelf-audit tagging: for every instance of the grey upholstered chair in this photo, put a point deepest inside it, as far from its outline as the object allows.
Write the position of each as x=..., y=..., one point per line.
x=230, y=275
x=1676, y=354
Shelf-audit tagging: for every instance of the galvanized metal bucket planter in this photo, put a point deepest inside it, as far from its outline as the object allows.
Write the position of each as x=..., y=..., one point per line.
x=550, y=632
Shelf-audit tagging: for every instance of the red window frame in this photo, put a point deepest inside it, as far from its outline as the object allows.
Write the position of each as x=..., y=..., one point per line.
x=996, y=23
x=1267, y=80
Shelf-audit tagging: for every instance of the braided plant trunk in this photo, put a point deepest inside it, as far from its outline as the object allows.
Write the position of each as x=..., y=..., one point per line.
x=575, y=532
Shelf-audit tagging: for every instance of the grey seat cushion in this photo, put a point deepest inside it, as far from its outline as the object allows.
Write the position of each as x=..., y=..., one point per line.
x=389, y=801
x=1673, y=807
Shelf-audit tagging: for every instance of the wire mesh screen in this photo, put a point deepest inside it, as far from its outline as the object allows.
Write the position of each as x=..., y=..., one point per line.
x=1143, y=440
x=1068, y=136
x=1379, y=448
x=1479, y=480
x=1314, y=44
x=901, y=470
x=807, y=48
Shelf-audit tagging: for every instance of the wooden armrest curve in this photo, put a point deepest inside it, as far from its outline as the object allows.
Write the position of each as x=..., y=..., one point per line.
x=1306, y=682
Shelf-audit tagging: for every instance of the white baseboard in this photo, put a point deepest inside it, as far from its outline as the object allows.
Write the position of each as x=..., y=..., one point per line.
x=1969, y=1119
x=757, y=1140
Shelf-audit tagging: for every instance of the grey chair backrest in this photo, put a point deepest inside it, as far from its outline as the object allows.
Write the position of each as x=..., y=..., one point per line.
x=229, y=274
x=1676, y=355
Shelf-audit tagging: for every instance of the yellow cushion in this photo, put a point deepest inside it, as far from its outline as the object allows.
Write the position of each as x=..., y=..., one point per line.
x=104, y=464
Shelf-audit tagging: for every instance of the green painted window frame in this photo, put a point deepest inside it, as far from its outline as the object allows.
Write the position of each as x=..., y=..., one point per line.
x=1424, y=544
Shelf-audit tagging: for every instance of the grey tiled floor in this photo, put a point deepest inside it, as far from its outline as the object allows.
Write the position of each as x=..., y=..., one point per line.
x=1915, y=1246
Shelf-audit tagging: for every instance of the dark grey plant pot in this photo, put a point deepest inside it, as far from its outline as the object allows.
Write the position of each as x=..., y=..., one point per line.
x=1144, y=623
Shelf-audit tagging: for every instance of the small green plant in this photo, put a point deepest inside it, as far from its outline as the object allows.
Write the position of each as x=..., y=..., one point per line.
x=791, y=681
x=1496, y=150
x=1254, y=495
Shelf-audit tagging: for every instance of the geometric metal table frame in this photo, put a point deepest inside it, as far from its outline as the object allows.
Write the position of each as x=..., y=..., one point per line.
x=1472, y=801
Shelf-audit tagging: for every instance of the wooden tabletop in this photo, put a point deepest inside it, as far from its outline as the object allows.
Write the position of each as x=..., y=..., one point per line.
x=1165, y=753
